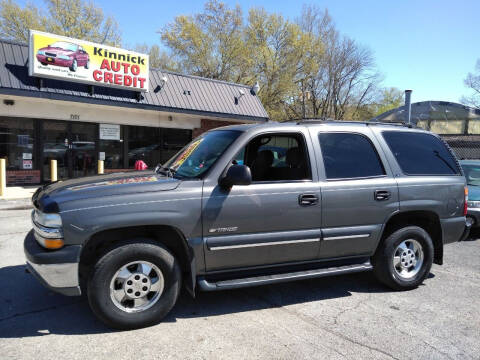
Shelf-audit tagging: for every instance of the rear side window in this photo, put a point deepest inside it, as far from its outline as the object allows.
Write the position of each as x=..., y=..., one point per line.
x=421, y=153
x=348, y=155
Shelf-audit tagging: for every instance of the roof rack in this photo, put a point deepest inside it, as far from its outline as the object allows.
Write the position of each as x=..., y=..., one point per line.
x=328, y=120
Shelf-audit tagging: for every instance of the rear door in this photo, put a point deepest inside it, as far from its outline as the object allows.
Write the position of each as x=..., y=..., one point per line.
x=359, y=191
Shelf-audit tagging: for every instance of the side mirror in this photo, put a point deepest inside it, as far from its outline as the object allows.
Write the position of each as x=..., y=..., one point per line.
x=236, y=175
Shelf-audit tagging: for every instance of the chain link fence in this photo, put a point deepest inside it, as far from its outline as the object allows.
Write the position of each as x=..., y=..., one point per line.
x=464, y=146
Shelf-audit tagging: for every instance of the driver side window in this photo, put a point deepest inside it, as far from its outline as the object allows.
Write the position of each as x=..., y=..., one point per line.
x=276, y=157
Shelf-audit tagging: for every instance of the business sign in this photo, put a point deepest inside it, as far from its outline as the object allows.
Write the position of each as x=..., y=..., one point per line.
x=63, y=58
x=109, y=132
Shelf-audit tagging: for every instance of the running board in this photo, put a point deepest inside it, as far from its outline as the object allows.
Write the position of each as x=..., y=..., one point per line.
x=206, y=285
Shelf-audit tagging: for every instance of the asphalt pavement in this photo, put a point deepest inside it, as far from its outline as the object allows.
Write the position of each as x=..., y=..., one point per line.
x=350, y=316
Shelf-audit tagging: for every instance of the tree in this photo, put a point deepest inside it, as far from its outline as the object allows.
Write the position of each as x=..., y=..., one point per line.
x=390, y=98
x=305, y=68
x=347, y=79
x=472, y=81
x=73, y=18
x=209, y=44
x=280, y=57
x=158, y=58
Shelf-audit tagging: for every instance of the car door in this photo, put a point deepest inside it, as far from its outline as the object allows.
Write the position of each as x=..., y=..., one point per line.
x=359, y=191
x=275, y=219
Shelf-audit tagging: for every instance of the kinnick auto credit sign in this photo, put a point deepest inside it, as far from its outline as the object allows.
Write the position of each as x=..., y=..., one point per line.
x=68, y=59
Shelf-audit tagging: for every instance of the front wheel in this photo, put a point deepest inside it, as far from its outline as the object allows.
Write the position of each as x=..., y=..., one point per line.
x=74, y=65
x=134, y=285
x=404, y=259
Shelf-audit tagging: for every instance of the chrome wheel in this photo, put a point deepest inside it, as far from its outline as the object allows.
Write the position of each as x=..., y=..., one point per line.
x=74, y=65
x=136, y=286
x=408, y=258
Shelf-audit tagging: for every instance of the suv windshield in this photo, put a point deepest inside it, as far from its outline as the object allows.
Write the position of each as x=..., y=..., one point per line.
x=199, y=155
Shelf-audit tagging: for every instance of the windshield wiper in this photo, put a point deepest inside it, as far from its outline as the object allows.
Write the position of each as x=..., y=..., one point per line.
x=169, y=171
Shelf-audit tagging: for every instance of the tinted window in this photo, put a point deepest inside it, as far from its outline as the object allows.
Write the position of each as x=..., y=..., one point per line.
x=421, y=153
x=349, y=156
x=275, y=157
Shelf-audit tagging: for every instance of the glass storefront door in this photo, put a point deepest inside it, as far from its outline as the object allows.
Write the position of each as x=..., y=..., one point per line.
x=82, y=149
x=55, y=147
x=72, y=145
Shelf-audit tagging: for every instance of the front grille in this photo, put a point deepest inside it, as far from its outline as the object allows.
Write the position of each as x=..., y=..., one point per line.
x=51, y=54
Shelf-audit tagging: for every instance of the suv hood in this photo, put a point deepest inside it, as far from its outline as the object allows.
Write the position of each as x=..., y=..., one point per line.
x=50, y=197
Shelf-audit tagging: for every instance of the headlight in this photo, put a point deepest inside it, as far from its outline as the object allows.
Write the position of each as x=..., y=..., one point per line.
x=41, y=52
x=48, y=229
x=64, y=57
x=48, y=220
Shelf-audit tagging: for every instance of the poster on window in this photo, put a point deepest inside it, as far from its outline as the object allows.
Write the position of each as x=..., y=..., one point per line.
x=109, y=132
x=27, y=164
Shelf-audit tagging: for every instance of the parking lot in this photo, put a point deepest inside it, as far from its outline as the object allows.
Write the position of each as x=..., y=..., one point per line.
x=339, y=317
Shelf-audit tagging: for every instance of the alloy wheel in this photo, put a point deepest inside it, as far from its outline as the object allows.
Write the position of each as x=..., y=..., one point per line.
x=408, y=259
x=136, y=286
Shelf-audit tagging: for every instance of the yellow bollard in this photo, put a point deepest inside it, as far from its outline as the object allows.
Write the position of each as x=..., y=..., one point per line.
x=100, y=167
x=53, y=170
x=3, y=178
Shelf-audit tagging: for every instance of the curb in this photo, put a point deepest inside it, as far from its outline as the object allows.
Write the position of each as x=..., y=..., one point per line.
x=16, y=204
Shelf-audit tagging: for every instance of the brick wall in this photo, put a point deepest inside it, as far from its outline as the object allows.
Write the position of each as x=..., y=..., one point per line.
x=207, y=124
x=23, y=177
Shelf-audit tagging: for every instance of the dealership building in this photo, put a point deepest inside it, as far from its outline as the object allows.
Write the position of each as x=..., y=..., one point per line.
x=75, y=123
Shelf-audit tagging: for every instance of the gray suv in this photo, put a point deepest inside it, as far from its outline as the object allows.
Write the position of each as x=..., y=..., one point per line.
x=249, y=205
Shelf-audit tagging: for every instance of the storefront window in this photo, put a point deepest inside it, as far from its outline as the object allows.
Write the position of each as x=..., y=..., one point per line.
x=173, y=141
x=143, y=144
x=113, y=150
x=153, y=145
x=16, y=143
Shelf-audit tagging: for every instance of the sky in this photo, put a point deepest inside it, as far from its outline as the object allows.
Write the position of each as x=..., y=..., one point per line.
x=428, y=46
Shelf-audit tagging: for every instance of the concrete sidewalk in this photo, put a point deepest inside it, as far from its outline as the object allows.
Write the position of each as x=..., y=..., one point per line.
x=17, y=197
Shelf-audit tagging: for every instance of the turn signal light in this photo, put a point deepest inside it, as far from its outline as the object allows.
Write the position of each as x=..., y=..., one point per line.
x=53, y=243
x=465, y=202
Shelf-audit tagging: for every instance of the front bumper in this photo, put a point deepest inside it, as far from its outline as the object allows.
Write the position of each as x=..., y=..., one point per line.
x=55, y=269
x=54, y=60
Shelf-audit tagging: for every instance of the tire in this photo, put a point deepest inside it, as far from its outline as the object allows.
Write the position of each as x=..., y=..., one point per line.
x=74, y=65
x=44, y=63
x=87, y=64
x=411, y=268
x=125, y=314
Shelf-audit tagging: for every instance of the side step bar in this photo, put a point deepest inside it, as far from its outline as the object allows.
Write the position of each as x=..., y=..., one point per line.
x=206, y=285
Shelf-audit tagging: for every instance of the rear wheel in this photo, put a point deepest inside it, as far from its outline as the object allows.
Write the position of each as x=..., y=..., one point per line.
x=134, y=285
x=87, y=64
x=404, y=259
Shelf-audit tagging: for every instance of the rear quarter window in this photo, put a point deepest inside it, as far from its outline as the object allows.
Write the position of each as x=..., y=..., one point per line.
x=421, y=153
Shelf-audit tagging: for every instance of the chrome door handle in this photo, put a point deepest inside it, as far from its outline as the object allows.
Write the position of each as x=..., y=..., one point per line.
x=382, y=195
x=307, y=199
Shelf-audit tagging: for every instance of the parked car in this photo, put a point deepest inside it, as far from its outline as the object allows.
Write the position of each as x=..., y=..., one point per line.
x=221, y=214
x=66, y=54
x=471, y=168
